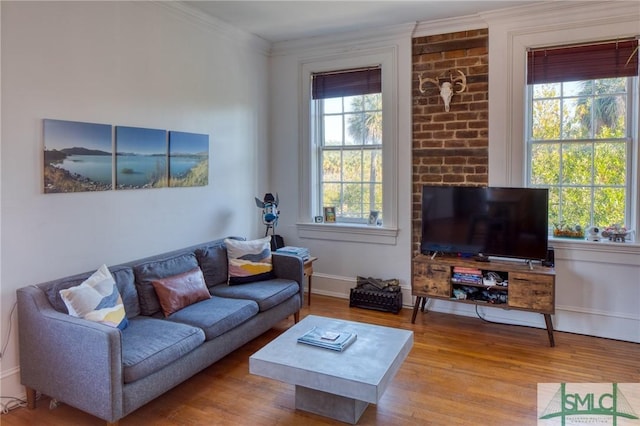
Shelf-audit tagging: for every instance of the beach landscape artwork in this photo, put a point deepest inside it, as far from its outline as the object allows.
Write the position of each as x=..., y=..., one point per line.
x=141, y=158
x=188, y=159
x=77, y=156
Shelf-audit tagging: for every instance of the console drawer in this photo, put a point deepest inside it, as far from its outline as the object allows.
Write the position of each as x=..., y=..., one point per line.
x=531, y=291
x=431, y=279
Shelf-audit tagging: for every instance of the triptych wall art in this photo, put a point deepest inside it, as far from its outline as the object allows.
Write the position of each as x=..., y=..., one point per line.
x=80, y=157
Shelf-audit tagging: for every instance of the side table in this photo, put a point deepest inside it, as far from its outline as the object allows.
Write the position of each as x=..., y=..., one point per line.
x=308, y=272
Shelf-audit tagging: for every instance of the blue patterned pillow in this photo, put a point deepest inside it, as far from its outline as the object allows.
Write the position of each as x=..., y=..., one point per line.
x=97, y=299
x=249, y=260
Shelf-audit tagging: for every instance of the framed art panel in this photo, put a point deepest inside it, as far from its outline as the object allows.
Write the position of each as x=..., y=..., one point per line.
x=77, y=156
x=141, y=158
x=188, y=159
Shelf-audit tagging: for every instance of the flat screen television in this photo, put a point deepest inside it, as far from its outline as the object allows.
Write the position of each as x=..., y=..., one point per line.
x=485, y=221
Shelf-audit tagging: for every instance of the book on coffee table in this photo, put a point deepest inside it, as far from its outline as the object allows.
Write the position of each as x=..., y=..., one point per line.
x=330, y=339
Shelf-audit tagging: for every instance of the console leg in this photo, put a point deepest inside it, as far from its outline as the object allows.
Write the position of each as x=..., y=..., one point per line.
x=415, y=309
x=547, y=320
x=424, y=303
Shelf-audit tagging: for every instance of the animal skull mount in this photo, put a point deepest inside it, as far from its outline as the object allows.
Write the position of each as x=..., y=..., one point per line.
x=447, y=88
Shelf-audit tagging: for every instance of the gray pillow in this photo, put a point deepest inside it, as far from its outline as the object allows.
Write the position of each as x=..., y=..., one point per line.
x=213, y=262
x=148, y=272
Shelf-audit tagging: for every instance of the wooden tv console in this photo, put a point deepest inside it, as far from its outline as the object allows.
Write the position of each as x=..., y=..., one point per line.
x=530, y=288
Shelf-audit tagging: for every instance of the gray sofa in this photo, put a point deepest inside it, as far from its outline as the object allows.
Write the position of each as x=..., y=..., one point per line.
x=110, y=372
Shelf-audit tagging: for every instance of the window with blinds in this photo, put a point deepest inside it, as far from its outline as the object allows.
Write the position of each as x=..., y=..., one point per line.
x=580, y=141
x=348, y=140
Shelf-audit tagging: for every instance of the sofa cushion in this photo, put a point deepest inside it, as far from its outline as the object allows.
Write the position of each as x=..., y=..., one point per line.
x=217, y=315
x=179, y=291
x=266, y=294
x=123, y=276
x=249, y=261
x=213, y=262
x=152, y=270
x=96, y=299
x=149, y=344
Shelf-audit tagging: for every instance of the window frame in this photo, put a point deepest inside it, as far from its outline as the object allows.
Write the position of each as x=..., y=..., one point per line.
x=631, y=148
x=507, y=118
x=317, y=107
x=309, y=201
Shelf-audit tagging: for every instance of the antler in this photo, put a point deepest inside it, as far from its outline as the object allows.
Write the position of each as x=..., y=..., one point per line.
x=462, y=80
x=435, y=81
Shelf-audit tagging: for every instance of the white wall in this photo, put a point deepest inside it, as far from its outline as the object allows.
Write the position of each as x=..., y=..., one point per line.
x=597, y=285
x=339, y=262
x=137, y=64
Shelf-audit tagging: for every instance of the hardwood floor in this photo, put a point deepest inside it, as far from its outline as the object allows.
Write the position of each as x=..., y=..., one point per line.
x=461, y=371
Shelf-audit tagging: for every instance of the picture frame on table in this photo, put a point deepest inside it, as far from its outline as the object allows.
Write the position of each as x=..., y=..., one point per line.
x=330, y=215
x=373, y=218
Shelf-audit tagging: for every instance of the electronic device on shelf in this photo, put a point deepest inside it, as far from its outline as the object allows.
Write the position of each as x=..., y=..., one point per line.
x=485, y=221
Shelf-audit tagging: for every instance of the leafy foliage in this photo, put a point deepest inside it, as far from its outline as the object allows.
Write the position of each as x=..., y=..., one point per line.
x=351, y=161
x=578, y=149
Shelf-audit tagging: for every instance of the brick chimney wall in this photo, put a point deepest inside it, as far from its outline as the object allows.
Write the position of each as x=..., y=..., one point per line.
x=449, y=148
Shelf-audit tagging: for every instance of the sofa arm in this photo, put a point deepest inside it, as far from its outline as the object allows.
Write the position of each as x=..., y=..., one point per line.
x=70, y=359
x=289, y=267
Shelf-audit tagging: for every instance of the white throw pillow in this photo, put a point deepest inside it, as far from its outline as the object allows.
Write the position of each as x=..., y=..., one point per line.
x=97, y=299
x=249, y=261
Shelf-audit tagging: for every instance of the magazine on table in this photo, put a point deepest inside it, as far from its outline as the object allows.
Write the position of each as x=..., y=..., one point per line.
x=330, y=339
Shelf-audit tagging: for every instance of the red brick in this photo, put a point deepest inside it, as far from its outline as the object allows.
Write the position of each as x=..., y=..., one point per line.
x=433, y=126
x=455, y=125
x=451, y=54
x=455, y=160
x=466, y=134
x=453, y=178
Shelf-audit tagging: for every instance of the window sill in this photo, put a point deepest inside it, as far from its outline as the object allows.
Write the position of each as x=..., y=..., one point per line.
x=348, y=232
x=627, y=253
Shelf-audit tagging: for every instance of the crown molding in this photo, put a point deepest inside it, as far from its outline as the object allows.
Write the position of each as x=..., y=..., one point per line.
x=210, y=23
x=563, y=13
x=449, y=25
x=344, y=41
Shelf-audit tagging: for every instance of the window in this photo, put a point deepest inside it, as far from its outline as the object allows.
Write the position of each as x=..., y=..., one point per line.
x=347, y=106
x=349, y=182
x=580, y=140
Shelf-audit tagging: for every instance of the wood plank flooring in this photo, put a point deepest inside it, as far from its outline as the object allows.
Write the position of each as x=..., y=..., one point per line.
x=461, y=371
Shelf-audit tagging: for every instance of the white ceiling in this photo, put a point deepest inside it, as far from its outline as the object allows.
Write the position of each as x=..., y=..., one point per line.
x=277, y=21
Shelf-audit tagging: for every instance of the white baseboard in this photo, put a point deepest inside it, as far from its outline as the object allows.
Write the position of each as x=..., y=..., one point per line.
x=10, y=384
x=571, y=319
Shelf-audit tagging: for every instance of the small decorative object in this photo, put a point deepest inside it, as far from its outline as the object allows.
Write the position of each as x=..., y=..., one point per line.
x=330, y=214
x=616, y=233
x=447, y=88
x=373, y=217
x=318, y=219
x=593, y=233
x=567, y=231
x=270, y=212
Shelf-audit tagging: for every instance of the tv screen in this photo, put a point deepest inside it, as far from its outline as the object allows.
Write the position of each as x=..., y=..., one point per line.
x=485, y=221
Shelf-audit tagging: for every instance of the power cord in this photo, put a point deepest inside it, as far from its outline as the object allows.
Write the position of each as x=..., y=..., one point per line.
x=12, y=404
x=501, y=323
x=6, y=342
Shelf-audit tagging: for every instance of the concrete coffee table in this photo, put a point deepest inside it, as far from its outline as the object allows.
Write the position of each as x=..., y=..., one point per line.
x=335, y=384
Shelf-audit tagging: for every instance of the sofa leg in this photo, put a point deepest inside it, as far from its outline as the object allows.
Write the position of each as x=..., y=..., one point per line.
x=31, y=398
x=296, y=317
